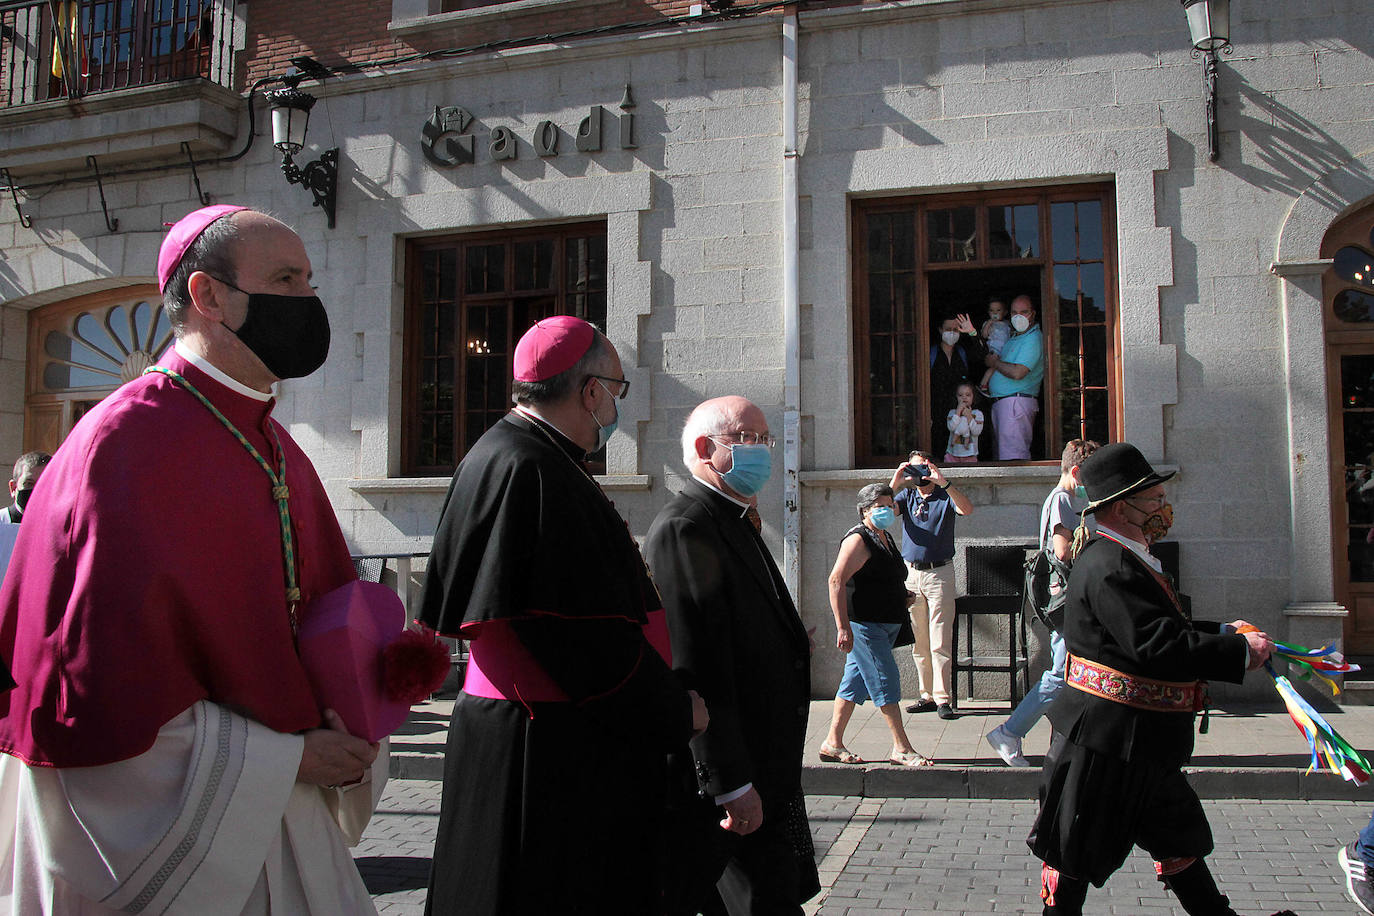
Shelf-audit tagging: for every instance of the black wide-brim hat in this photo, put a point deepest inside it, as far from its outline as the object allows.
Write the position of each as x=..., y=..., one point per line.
x=1114, y=472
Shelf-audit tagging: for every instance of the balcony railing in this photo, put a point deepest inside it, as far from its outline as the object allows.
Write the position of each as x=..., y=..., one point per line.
x=53, y=49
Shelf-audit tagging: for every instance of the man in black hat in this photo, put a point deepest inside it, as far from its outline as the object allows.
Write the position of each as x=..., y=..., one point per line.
x=1137, y=672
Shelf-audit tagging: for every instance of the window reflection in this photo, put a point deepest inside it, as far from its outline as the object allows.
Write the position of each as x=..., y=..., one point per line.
x=1353, y=305
x=1014, y=231
x=953, y=234
x=534, y=264
x=1354, y=265
x=486, y=269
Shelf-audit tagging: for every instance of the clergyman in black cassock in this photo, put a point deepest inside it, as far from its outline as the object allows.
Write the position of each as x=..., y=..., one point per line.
x=1136, y=674
x=555, y=768
x=737, y=638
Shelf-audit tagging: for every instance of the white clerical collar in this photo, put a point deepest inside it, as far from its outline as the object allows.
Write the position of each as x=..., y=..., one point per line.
x=536, y=415
x=743, y=504
x=210, y=369
x=1134, y=546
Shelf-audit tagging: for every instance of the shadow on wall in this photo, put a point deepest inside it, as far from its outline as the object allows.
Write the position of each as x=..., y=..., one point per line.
x=10, y=287
x=1295, y=149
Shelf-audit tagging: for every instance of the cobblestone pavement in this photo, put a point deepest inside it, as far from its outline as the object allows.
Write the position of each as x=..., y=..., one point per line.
x=957, y=856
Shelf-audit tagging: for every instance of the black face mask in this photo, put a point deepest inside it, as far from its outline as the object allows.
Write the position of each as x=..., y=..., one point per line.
x=290, y=334
x=21, y=498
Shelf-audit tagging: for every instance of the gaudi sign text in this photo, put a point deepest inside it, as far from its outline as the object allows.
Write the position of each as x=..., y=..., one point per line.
x=446, y=142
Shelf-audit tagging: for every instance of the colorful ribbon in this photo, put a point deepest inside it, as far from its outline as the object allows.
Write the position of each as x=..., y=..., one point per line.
x=1323, y=741
x=1312, y=662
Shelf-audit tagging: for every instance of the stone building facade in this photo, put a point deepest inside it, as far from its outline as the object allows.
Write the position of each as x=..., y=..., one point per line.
x=780, y=202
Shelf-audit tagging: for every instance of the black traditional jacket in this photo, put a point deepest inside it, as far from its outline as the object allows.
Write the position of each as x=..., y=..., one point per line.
x=1122, y=615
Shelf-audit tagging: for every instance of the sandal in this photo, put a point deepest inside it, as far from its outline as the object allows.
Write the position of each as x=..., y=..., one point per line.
x=839, y=755
x=911, y=759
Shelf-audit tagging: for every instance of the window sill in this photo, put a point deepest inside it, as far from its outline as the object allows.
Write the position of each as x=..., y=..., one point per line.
x=499, y=12
x=1038, y=472
x=983, y=474
x=424, y=486
x=974, y=473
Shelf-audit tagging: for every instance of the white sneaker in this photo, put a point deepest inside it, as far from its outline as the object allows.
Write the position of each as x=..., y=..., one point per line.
x=1356, y=878
x=1007, y=746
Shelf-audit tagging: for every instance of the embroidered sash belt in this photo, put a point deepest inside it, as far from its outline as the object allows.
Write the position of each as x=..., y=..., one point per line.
x=1134, y=690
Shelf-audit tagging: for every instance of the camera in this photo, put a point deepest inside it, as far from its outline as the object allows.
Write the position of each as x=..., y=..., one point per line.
x=921, y=471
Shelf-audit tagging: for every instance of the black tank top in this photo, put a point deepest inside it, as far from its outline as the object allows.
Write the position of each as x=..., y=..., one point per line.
x=877, y=592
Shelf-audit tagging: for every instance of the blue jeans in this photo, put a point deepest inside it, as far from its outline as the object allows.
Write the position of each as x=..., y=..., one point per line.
x=1034, y=704
x=1365, y=844
x=870, y=670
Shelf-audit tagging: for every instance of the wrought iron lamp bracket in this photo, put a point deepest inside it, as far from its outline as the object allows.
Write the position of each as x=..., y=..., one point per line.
x=321, y=177
x=1209, y=92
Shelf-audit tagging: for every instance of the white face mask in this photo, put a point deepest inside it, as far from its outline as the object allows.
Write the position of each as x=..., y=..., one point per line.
x=950, y=337
x=1020, y=323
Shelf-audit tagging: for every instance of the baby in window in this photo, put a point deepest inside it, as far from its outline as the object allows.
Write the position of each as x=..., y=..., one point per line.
x=996, y=330
x=965, y=424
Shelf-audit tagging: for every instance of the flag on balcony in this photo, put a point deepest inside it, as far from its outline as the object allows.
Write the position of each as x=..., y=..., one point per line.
x=67, y=38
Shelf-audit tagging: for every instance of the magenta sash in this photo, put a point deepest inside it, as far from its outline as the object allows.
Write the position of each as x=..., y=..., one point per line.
x=501, y=668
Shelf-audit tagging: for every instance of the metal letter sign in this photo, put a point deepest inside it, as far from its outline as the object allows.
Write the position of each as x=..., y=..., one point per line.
x=502, y=143
x=451, y=151
x=546, y=139
x=445, y=140
x=627, y=121
x=589, y=131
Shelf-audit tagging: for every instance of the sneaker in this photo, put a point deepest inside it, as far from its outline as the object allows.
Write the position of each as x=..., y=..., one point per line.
x=1007, y=746
x=1357, y=878
x=925, y=704
x=946, y=711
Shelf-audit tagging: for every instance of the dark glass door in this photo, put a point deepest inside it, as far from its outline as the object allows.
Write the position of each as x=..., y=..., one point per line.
x=1355, y=532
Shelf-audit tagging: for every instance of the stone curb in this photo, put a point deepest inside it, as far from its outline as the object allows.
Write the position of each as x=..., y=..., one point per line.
x=1266, y=783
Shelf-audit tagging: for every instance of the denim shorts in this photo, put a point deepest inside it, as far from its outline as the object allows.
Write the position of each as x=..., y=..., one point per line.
x=870, y=671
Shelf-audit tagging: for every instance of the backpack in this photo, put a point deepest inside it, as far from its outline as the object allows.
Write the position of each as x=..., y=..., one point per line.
x=1045, y=587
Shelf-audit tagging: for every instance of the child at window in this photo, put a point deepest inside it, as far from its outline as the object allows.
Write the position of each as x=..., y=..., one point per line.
x=965, y=424
x=996, y=330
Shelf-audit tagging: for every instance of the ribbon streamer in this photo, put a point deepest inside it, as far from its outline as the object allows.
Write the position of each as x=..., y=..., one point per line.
x=1324, y=743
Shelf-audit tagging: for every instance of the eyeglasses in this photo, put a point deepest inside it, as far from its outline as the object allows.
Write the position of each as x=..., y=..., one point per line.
x=744, y=437
x=624, y=385
x=922, y=510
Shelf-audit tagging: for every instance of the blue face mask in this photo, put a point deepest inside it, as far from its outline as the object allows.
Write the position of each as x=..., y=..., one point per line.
x=883, y=517
x=750, y=468
x=1080, y=492
x=603, y=433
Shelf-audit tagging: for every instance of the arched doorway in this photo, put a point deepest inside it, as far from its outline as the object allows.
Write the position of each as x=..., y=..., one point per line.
x=1348, y=319
x=81, y=350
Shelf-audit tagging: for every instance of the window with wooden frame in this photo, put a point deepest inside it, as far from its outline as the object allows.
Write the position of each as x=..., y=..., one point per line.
x=469, y=298
x=920, y=260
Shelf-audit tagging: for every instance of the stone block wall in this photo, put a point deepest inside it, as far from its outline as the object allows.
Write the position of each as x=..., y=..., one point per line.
x=894, y=99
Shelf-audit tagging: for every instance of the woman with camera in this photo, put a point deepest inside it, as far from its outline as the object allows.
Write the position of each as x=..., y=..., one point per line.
x=869, y=599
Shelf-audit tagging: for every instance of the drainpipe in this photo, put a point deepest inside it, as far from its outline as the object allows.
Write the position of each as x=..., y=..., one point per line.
x=791, y=311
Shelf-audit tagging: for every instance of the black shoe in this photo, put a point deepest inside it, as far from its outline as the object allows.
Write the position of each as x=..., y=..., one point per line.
x=925, y=705
x=1357, y=878
x=946, y=712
